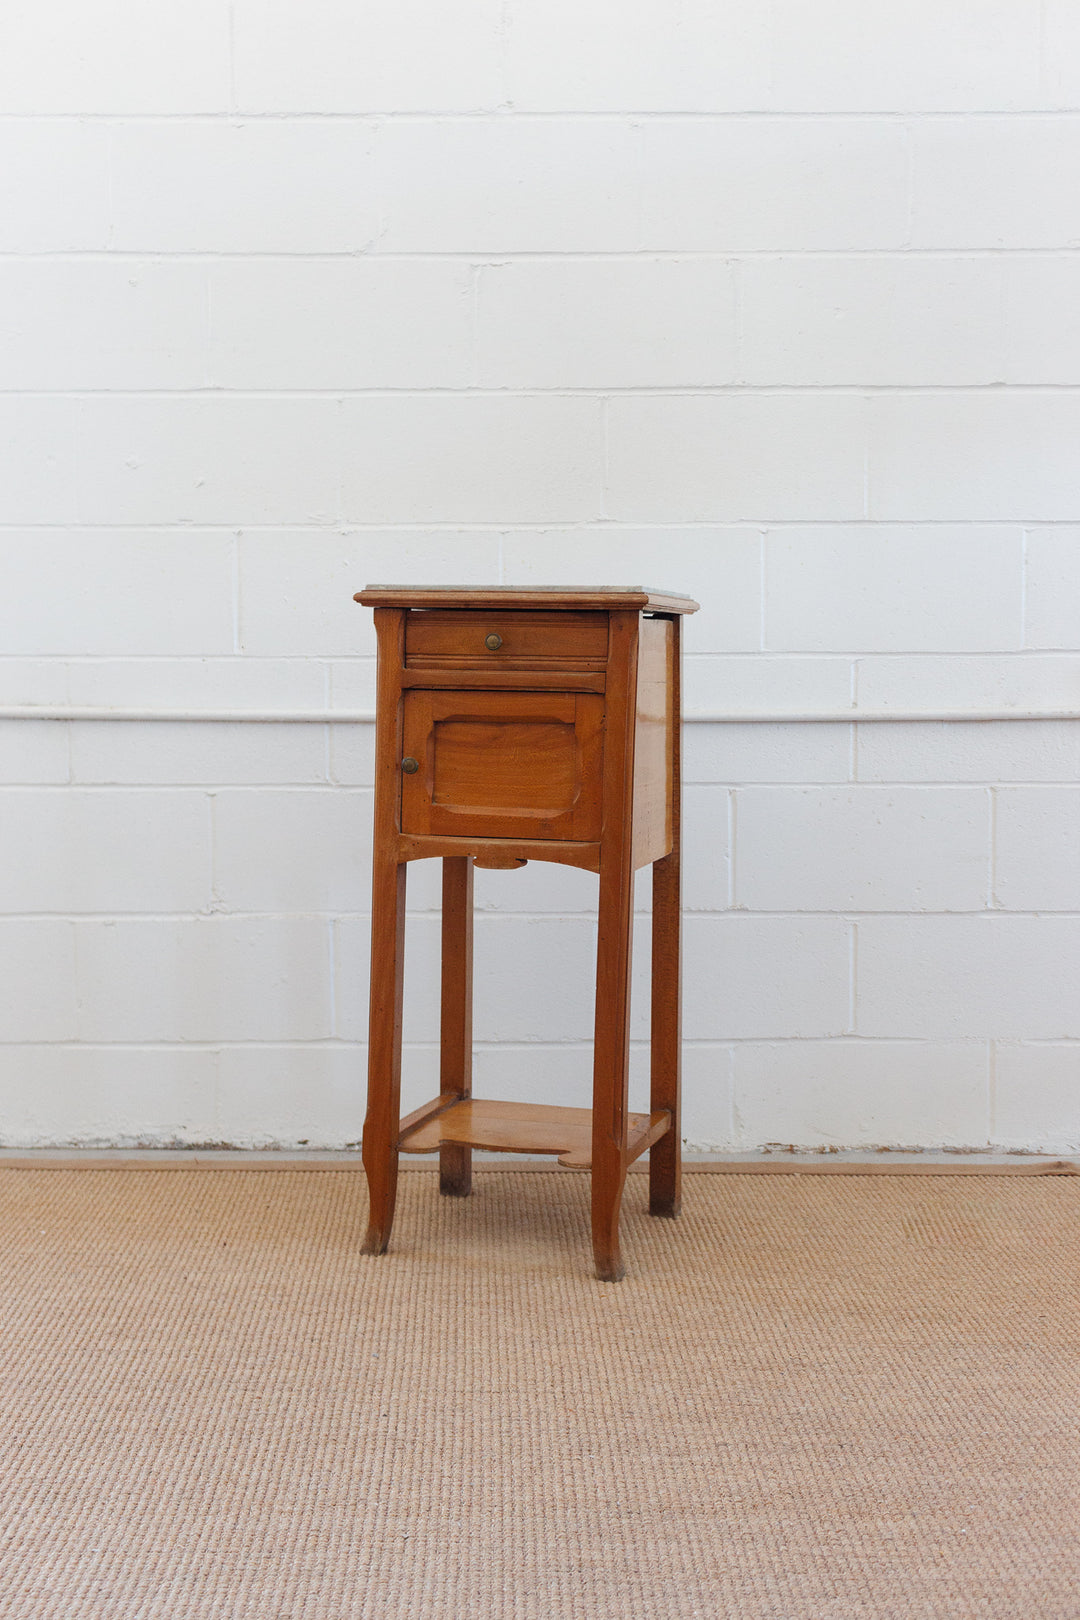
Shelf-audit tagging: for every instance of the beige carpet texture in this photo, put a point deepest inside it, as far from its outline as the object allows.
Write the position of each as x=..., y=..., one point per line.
x=814, y=1396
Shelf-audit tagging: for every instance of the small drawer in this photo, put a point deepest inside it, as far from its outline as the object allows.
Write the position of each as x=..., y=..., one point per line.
x=464, y=640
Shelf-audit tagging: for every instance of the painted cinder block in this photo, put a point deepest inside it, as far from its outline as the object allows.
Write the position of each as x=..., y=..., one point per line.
x=196, y=752
x=28, y=682
x=841, y=56
x=1052, y=588
x=862, y=1094
x=894, y=588
x=931, y=978
x=1039, y=346
x=325, y=323
x=971, y=682
x=763, y=684
x=733, y=458
x=357, y=251
x=54, y=184
x=535, y=975
x=118, y=593
x=352, y=684
x=1037, y=848
x=270, y=185
x=785, y=184
x=472, y=459
x=149, y=327
x=1036, y=1102
x=1033, y=202
x=38, y=479
x=210, y=461
x=33, y=751
x=295, y=850
x=884, y=320
x=117, y=57
x=352, y=754
x=37, y=969
x=109, y=1096
x=197, y=685
x=606, y=323
x=204, y=979
x=103, y=851
x=706, y=848
x=968, y=751
x=391, y=56
x=510, y=185
x=708, y=1122
x=298, y=1096
x=748, y=978
x=1061, y=53
x=990, y=456
x=712, y=56
x=767, y=753
x=559, y=1075
x=862, y=848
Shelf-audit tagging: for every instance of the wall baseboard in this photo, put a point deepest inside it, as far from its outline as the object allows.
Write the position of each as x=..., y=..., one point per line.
x=851, y=1164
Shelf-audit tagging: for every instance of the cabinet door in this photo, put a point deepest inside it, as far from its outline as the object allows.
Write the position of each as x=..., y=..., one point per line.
x=503, y=764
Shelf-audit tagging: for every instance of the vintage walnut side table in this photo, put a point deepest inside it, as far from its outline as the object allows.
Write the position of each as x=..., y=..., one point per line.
x=516, y=725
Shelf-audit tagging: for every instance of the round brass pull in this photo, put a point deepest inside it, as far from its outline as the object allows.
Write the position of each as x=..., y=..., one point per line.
x=410, y=766
x=493, y=642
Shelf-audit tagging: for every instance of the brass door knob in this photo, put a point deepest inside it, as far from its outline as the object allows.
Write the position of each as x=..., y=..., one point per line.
x=493, y=642
x=410, y=766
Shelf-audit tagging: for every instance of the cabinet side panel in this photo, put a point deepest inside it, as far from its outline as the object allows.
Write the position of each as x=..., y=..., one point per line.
x=653, y=740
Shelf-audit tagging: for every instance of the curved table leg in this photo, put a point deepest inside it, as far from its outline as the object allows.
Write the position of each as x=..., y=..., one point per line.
x=380, y=1151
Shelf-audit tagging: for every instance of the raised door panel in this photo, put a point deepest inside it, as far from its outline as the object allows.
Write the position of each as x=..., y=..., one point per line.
x=503, y=764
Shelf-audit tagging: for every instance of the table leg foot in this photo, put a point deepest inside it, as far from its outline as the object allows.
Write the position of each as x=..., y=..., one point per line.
x=381, y=1169
x=455, y=1170
x=607, y=1190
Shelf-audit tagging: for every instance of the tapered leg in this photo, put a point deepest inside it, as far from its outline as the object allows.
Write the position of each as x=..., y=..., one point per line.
x=455, y=1064
x=665, y=1156
x=611, y=1066
x=384, y=1048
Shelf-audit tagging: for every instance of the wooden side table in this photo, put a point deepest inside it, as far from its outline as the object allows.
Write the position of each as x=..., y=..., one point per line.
x=516, y=725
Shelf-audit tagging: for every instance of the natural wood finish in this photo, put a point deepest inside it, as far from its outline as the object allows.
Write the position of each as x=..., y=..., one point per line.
x=515, y=1127
x=653, y=729
x=464, y=678
x=428, y=1110
x=523, y=760
x=504, y=764
x=530, y=641
x=665, y=1035
x=641, y=598
x=492, y=850
x=456, y=1039
x=381, y=1125
x=611, y=1042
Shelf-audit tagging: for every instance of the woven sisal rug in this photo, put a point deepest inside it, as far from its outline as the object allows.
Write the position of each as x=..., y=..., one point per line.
x=812, y=1397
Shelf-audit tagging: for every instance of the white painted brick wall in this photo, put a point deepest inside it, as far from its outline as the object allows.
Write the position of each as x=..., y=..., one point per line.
x=764, y=302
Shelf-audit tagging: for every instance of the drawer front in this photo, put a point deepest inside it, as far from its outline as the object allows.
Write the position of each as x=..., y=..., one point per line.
x=492, y=640
x=503, y=764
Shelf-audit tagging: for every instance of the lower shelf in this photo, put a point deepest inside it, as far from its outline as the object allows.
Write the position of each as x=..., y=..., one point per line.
x=513, y=1127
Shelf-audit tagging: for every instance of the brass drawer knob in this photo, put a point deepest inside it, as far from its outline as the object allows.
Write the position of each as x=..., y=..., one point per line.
x=493, y=642
x=410, y=766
